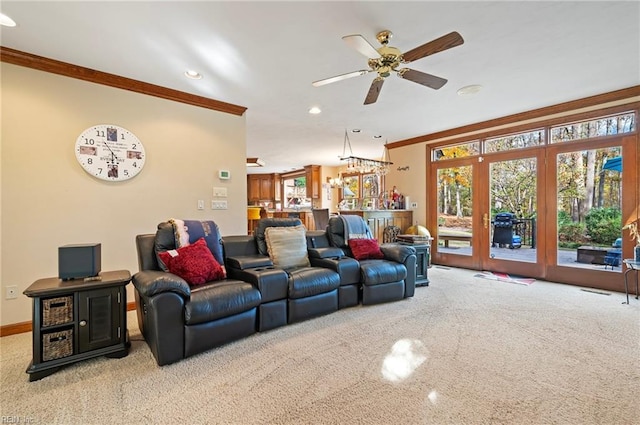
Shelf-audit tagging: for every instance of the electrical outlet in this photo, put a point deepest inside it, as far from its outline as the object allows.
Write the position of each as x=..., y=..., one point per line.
x=200, y=204
x=12, y=292
x=414, y=205
x=218, y=205
x=219, y=192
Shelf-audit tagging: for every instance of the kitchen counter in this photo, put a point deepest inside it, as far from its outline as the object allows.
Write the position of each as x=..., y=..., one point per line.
x=379, y=219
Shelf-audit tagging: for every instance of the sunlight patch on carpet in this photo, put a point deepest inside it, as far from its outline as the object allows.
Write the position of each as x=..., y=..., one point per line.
x=405, y=357
x=504, y=277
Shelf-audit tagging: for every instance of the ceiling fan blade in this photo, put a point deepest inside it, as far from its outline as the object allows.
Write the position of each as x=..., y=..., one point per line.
x=359, y=43
x=340, y=77
x=422, y=78
x=374, y=91
x=445, y=42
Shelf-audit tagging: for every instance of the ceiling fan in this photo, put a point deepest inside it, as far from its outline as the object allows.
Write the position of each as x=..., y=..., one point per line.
x=387, y=59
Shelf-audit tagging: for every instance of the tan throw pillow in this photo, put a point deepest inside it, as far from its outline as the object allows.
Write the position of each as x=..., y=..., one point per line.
x=287, y=246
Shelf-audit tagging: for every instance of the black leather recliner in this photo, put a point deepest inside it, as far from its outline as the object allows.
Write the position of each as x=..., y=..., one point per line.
x=390, y=279
x=178, y=321
x=310, y=291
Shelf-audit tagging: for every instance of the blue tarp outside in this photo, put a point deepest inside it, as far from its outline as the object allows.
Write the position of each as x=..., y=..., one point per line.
x=613, y=164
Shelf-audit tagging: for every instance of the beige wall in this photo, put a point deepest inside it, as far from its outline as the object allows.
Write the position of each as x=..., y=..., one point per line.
x=48, y=200
x=410, y=179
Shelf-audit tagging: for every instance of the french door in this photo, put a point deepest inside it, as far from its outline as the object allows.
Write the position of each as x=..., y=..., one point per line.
x=583, y=187
x=472, y=195
x=528, y=212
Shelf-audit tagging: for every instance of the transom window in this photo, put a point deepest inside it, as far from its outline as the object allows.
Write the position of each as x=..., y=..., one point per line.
x=607, y=126
x=461, y=150
x=514, y=141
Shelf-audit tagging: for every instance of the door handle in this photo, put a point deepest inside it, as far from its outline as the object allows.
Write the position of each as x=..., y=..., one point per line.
x=485, y=220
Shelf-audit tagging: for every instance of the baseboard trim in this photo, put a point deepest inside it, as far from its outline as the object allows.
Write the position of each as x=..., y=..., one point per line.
x=18, y=328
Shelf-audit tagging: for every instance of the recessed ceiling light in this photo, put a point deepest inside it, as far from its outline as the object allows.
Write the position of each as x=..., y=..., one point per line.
x=355, y=130
x=315, y=110
x=194, y=75
x=469, y=90
x=377, y=136
x=6, y=21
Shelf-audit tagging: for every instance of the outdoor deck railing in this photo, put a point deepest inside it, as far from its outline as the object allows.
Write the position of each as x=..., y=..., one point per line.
x=526, y=229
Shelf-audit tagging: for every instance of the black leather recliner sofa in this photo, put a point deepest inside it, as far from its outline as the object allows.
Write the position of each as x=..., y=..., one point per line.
x=178, y=320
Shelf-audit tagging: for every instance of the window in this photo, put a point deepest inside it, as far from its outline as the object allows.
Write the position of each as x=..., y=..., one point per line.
x=607, y=126
x=514, y=141
x=457, y=151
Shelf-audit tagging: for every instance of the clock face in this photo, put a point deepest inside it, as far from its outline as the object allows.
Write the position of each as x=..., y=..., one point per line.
x=109, y=152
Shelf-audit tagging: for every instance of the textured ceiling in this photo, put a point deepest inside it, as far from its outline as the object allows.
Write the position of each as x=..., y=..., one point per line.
x=264, y=55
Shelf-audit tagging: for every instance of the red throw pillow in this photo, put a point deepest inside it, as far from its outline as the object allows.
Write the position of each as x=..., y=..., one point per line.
x=194, y=263
x=364, y=249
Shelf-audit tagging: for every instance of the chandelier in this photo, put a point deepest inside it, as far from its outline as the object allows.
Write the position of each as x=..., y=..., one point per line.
x=356, y=164
x=336, y=182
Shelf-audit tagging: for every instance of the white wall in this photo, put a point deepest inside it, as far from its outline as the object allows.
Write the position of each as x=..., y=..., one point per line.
x=48, y=200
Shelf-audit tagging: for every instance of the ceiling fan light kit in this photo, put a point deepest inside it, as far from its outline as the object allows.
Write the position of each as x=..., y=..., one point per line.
x=387, y=59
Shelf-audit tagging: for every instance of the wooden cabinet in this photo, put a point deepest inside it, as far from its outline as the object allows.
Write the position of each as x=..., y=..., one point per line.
x=305, y=216
x=77, y=320
x=314, y=186
x=379, y=219
x=277, y=188
x=263, y=187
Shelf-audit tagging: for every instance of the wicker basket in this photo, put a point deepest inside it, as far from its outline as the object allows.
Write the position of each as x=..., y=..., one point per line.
x=56, y=345
x=57, y=311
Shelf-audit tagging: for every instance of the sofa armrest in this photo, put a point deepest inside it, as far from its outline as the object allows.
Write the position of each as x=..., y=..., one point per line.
x=397, y=252
x=151, y=282
x=330, y=252
x=249, y=262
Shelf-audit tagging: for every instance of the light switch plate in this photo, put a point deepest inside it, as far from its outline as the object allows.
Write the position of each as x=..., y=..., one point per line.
x=218, y=205
x=219, y=192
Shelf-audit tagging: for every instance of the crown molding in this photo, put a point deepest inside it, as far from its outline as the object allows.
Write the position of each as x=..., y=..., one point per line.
x=600, y=99
x=53, y=66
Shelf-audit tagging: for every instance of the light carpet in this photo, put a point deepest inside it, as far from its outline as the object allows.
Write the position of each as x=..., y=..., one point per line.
x=462, y=351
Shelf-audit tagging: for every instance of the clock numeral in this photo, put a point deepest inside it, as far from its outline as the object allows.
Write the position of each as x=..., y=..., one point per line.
x=89, y=160
x=126, y=172
x=135, y=165
x=99, y=133
x=133, y=146
x=99, y=170
x=89, y=141
x=121, y=136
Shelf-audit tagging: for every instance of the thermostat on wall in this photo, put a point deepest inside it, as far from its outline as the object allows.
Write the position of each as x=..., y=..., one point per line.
x=224, y=174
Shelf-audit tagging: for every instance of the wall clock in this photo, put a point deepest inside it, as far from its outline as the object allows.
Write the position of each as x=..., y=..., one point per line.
x=110, y=152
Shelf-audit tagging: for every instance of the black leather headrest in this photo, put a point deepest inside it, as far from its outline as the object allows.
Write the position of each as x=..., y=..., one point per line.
x=165, y=240
x=335, y=232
